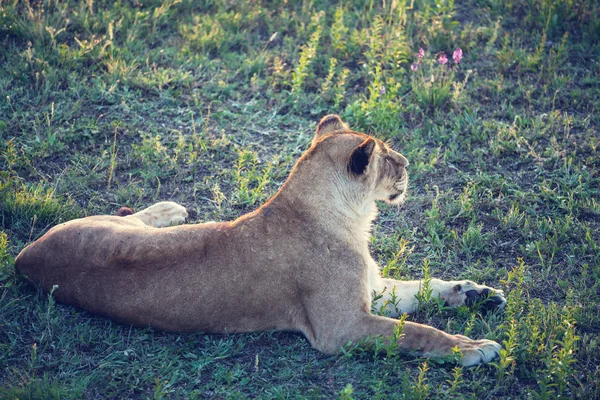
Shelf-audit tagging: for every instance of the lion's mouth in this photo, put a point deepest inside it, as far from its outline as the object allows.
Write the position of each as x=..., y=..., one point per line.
x=401, y=187
x=397, y=198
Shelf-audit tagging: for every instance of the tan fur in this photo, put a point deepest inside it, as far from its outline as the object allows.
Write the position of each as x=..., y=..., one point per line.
x=300, y=262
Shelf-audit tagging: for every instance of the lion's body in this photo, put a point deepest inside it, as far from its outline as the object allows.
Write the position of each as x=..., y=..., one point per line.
x=177, y=279
x=300, y=262
x=214, y=277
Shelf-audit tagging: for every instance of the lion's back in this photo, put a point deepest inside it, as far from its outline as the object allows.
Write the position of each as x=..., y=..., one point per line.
x=98, y=245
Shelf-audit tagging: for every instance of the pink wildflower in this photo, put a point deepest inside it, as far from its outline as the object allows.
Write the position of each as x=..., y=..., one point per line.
x=420, y=55
x=457, y=55
x=414, y=67
x=382, y=90
x=442, y=59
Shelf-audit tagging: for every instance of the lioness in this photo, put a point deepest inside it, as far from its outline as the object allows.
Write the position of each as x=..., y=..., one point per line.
x=300, y=262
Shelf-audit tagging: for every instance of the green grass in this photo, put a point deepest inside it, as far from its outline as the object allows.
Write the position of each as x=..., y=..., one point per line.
x=209, y=103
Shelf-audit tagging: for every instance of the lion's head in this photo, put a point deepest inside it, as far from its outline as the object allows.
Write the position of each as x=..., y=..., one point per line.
x=364, y=168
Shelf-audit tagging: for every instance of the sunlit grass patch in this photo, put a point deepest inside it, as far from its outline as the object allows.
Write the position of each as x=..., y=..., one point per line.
x=28, y=210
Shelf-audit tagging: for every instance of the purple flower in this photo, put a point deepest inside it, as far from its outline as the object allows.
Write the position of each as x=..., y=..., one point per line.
x=457, y=55
x=420, y=54
x=414, y=67
x=442, y=59
x=382, y=90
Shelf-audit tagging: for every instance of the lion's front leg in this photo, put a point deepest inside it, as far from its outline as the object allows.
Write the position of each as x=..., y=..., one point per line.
x=399, y=297
x=414, y=338
x=159, y=215
x=331, y=323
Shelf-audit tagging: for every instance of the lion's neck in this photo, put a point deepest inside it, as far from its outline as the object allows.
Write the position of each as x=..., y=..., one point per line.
x=336, y=210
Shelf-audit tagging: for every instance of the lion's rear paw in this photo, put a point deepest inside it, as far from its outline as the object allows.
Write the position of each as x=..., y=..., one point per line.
x=476, y=352
x=165, y=213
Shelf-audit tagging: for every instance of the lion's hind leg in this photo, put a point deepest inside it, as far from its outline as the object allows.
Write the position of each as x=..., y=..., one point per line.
x=159, y=215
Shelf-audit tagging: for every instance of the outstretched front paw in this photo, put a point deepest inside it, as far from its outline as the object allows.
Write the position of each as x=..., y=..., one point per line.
x=470, y=294
x=475, y=352
x=488, y=298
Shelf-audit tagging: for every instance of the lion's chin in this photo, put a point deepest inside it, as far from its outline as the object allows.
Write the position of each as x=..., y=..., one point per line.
x=396, y=198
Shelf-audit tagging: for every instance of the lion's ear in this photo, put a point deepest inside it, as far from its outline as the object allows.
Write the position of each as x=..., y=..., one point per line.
x=361, y=157
x=328, y=124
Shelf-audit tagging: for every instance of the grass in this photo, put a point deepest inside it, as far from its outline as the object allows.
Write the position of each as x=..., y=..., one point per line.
x=209, y=103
